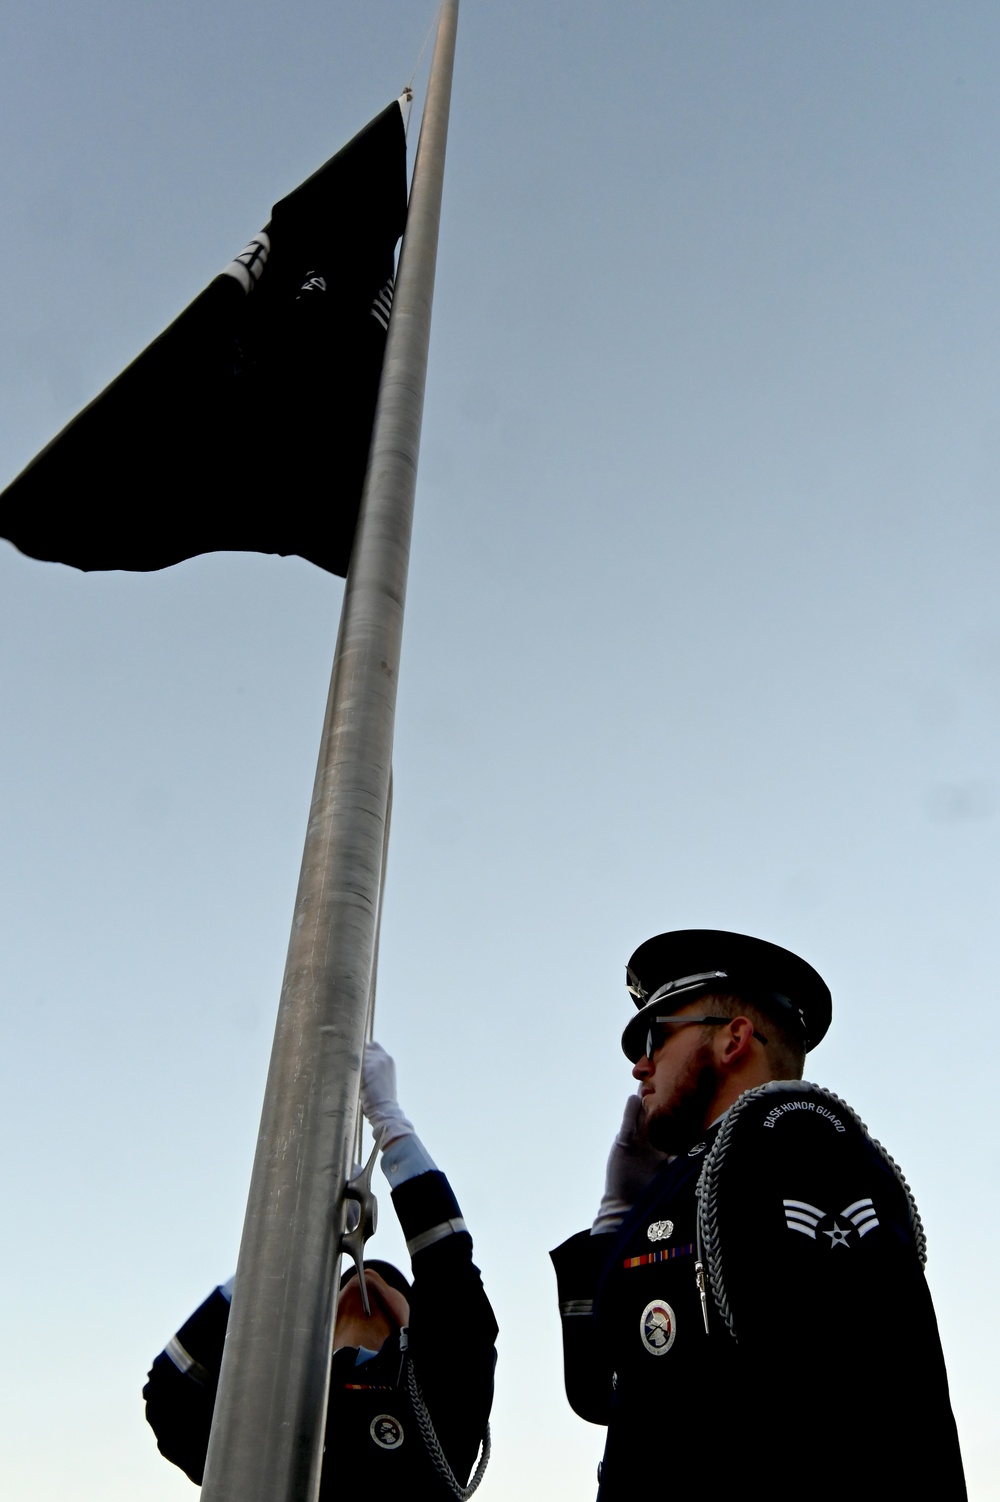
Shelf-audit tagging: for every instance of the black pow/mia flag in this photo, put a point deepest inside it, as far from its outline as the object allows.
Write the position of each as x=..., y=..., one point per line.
x=246, y=425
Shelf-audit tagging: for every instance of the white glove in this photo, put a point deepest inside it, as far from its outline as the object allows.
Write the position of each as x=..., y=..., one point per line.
x=631, y=1165
x=378, y=1097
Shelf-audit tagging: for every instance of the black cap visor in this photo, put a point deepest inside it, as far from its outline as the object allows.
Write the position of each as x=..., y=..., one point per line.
x=679, y=993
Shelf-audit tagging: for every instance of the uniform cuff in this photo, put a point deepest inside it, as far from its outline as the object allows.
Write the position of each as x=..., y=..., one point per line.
x=406, y=1158
x=579, y=1263
x=428, y=1211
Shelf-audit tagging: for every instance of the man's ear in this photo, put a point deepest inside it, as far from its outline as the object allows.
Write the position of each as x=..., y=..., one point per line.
x=735, y=1042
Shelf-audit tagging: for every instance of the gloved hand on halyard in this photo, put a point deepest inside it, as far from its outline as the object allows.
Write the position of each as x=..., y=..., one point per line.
x=378, y=1097
x=631, y=1165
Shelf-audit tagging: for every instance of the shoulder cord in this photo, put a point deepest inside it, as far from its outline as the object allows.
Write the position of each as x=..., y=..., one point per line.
x=707, y=1190
x=438, y=1458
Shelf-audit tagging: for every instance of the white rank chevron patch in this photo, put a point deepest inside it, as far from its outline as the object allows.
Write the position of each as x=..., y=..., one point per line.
x=802, y=1217
x=862, y=1213
x=805, y=1218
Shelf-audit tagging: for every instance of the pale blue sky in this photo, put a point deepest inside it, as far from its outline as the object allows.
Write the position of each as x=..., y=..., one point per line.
x=702, y=630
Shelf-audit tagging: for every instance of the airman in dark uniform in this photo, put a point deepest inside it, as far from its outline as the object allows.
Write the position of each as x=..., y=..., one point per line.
x=411, y=1382
x=749, y=1312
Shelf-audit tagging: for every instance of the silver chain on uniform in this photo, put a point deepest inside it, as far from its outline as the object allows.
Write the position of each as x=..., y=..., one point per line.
x=433, y=1445
x=708, y=1239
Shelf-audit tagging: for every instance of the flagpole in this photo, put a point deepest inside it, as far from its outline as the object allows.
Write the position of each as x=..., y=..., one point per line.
x=268, y=1431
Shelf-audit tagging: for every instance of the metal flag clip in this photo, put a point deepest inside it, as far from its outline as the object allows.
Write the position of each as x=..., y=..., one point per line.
x=359, y=1189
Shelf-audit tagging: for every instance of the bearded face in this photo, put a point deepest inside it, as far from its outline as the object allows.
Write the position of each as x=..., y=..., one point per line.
x=679, y=1095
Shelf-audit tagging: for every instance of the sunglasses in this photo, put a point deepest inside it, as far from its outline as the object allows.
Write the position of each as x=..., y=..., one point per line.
x=658, y=1035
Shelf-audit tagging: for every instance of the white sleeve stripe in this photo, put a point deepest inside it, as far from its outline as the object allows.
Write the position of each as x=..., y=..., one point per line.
x=183, y=1361
x=436, y=1233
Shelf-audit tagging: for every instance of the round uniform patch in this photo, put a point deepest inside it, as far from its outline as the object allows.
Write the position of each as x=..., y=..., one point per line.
x=386, y=1431
x=657, y=1327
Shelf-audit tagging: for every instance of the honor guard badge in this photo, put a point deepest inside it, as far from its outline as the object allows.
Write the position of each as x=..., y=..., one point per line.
x=386, y=1431
x=660, y=1230
x=657, y=1327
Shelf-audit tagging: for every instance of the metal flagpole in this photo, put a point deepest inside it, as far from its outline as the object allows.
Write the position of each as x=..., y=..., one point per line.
x=267, y=1436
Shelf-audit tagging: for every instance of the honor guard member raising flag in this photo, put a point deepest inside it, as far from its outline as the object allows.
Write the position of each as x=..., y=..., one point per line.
x=412, y=1381
x=748, y=1314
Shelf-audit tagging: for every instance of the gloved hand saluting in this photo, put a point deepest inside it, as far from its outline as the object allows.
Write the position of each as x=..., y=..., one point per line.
x=631, y=1165
x=378, y=1097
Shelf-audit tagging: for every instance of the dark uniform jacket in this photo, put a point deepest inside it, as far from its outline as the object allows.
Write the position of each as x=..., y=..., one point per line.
x=374, y=1441
x=813, y=1366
